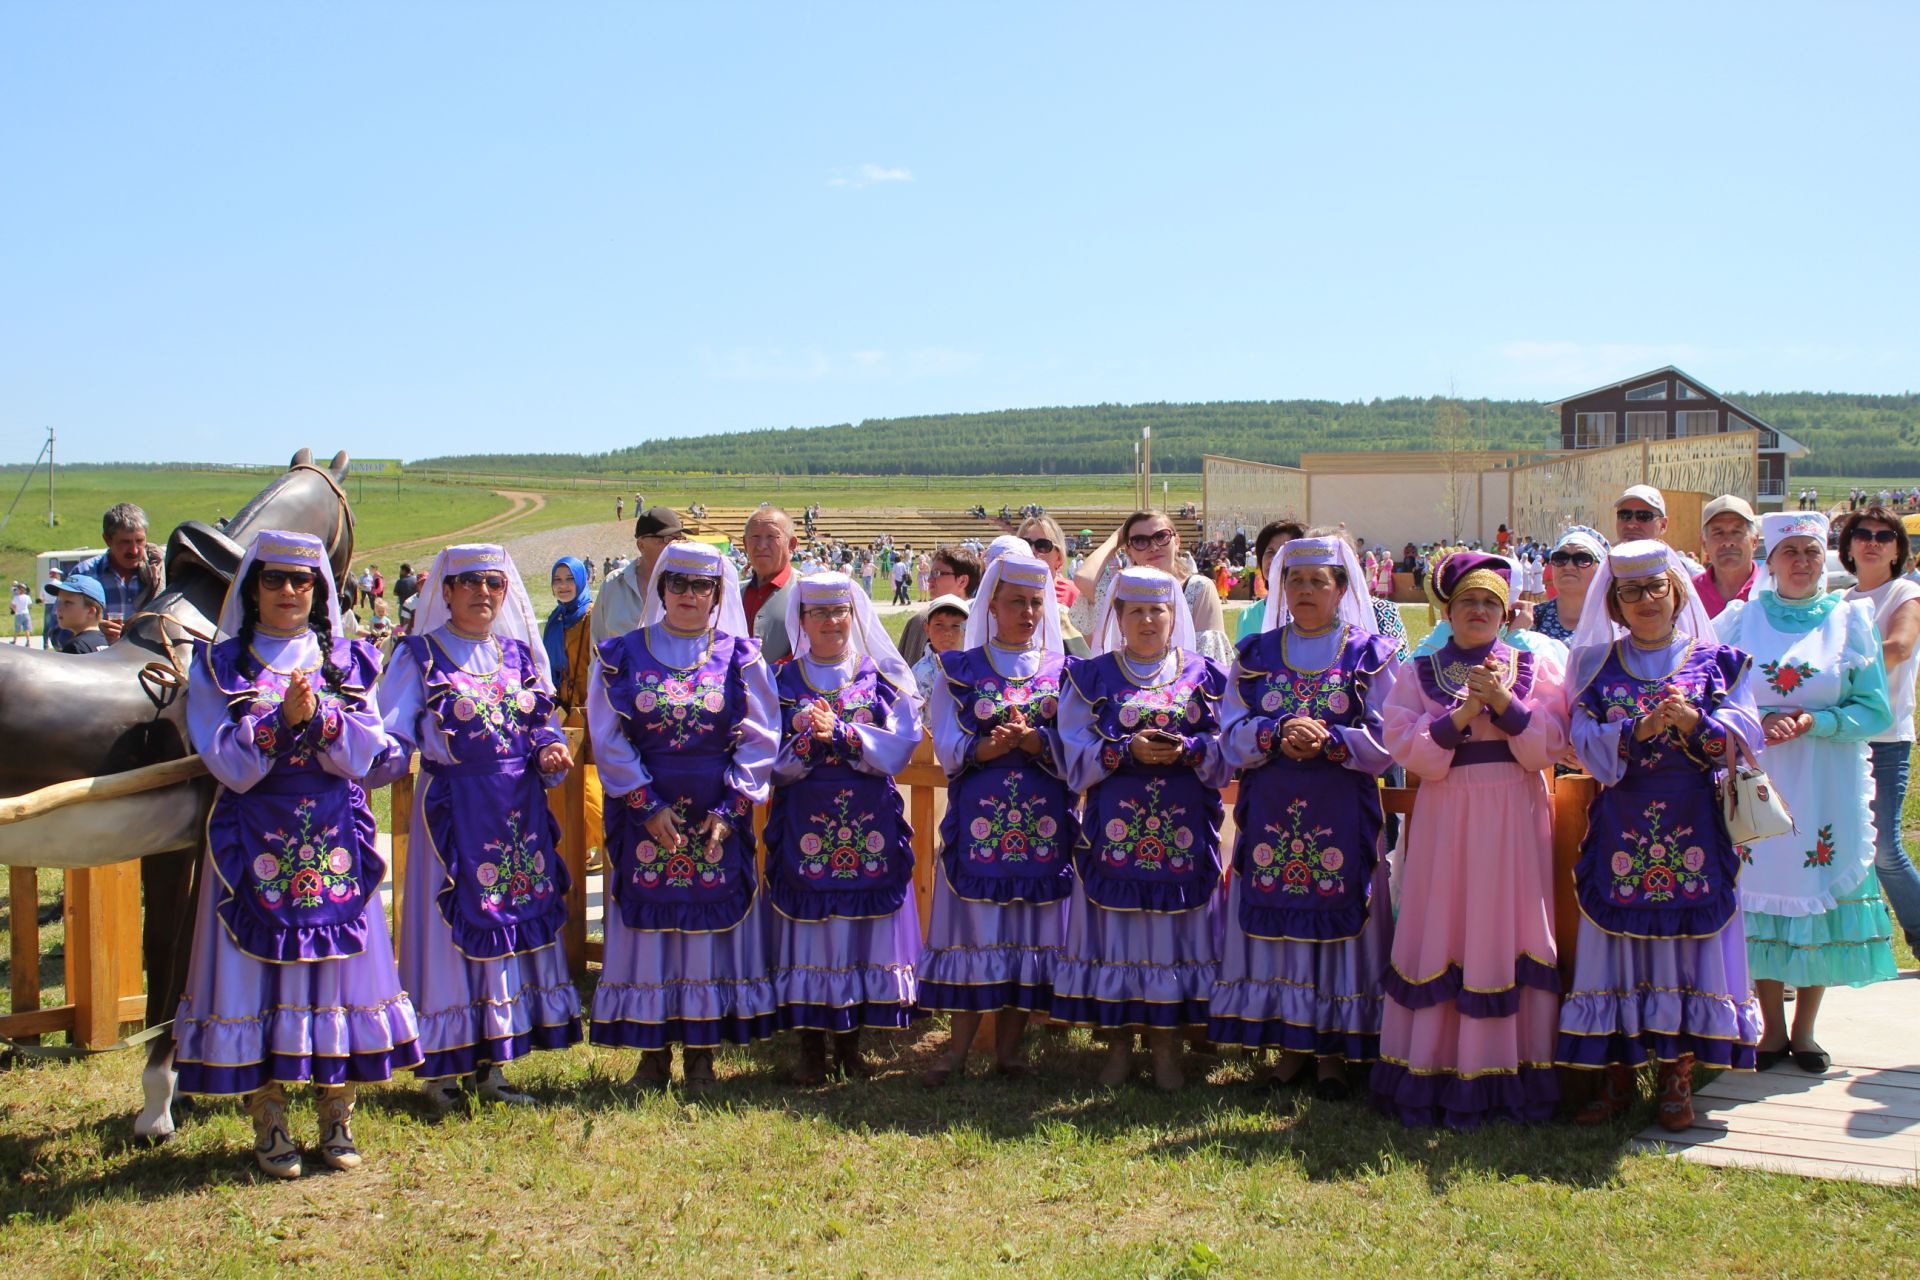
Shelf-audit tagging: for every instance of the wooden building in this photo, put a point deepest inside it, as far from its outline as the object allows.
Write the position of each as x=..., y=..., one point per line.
x=1670, y=404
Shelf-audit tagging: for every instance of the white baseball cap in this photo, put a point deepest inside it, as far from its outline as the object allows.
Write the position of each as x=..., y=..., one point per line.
x=1643, y=493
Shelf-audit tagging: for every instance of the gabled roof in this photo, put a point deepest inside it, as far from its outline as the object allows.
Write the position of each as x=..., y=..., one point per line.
x=1787, y=442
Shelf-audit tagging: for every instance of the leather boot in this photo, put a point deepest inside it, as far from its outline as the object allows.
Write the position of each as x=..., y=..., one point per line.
x=1119, y=1063
x=272, y=1148
x=336, y=1127
x=848, y=1058
x=492, y=1085
x=1167, y=1075
x=1676, y=1094
x=1615, y=1096
x=697, y=1066
x=655, y=1069
x=813, y=1059
x=442, y=1095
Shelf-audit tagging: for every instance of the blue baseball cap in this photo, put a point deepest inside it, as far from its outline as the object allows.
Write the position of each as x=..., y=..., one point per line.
x=80, y=584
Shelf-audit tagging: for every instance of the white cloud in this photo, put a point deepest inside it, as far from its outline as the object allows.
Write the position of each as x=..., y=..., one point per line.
x=867, y=175
x=811, y=364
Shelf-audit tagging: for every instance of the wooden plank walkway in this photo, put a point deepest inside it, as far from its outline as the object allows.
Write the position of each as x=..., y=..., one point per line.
x=1859, y=1122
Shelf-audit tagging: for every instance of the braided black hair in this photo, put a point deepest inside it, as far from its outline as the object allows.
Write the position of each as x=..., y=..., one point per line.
x=330, y=671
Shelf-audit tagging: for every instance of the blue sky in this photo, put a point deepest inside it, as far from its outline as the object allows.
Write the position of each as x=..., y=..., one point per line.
x=419, y=228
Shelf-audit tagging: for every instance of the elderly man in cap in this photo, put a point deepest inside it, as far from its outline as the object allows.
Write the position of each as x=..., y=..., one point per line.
x=1728, y=532
x=621, y=599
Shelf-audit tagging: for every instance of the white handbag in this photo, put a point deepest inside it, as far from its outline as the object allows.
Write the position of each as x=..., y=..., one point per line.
x=1750, y=803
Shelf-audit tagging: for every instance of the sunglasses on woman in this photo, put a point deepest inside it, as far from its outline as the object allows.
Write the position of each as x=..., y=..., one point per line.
x=1148, y=541
x=1578, y=559
x=681, y=584
x=275, y=579
x=491, y=583
x=1042, y=546
x=1885, y=537
x=1652, y=589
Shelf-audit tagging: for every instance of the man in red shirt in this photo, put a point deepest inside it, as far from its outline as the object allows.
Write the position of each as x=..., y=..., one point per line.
x=1727, y=533
x=770, y=544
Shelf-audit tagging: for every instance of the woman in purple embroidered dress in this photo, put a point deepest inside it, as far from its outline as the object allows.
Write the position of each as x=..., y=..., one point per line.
x=1000, y=902
x=292, y=975
x=1140, y=724
x=1660, y=967
x=682, y=710
x=1309, y=925
x=846, y=930
x=481, y=952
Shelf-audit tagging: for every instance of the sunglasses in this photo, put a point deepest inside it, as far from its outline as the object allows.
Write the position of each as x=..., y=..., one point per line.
x=1578, y=559
x=300, y=580
x=1886, y=537
x=1636, y=515
x=681, y=584
x=1042, y=546
x=1635, y=592
x=1148, y=541
x=492, y=583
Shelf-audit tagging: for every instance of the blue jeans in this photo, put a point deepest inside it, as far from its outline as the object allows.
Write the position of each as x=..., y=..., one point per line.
x=1898, y=879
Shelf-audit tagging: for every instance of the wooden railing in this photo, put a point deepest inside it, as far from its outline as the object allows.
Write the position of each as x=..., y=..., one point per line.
x=103, y=956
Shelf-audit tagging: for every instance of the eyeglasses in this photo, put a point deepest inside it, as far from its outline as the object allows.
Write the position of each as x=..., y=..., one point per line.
x=1578, y=559
x=1149, y=541
x=661, y=537
x=681, y=584
x=941, y=571
x=1635, y=515
x=276, y=579
x=1886, y=537
x=491, y=583
x=1652, y=589
x=831, y=612
x=1042, y=546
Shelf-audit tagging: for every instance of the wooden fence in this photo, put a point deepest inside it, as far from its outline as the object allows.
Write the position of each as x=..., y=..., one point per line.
x=103, y=959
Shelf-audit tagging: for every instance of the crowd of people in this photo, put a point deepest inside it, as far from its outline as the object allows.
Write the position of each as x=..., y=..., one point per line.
x=1088, y=716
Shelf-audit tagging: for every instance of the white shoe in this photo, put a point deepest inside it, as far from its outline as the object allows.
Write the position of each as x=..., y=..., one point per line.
x=492, y=1085
x=442, y=1095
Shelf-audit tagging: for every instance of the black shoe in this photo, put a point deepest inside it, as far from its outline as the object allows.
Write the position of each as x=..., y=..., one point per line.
x=1814, y=1061
x=1768, y=1059
x=1331, y=1089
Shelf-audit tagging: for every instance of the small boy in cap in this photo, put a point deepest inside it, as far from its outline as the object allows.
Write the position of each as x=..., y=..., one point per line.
x=79, y=603
x=946, y=632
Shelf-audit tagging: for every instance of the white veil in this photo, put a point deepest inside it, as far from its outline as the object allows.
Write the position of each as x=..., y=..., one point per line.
x=697, y=560
x=286, y=550
x=866, y=636
x=1356, y=605
x=1595, y=637
x=1137, y=582
x=1026, y=571
x=514, y=621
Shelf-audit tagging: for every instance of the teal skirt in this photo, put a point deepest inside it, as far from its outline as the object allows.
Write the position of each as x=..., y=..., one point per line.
x=1849, y=946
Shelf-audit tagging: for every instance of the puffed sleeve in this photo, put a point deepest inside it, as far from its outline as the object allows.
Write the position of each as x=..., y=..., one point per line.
x=238, y=753
x=887, y=748
x=755, y=739
x=403, y=715
x=952, y=744
x=1088, y=757
x=1407, y=725
x=1537, y=725
x=1864, y=709
x=1364, y=745
x=1246, y=738
x=621, y=771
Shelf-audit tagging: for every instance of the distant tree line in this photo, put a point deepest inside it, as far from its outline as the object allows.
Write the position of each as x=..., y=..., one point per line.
x=1848, y=435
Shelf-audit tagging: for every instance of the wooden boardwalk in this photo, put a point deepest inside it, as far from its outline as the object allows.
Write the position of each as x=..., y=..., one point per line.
x=1860, y=1121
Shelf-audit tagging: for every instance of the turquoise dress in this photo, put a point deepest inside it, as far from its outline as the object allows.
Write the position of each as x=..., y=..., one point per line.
x=1815, y=917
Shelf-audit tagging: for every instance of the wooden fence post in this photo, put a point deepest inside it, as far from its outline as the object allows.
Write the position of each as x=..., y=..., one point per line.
x=569, y=803
x=23, y=906
x=1572, y=796
x=400, y=824
x=98, y=899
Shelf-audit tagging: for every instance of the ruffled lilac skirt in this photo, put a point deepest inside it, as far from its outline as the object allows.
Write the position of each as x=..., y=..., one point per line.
x=1321, y=998
x=474, y=1014
x=1137, y=968
x=661, y=987
x=983, y=956
x=841, y=975
x=244, y=1023
x=1641, y=1000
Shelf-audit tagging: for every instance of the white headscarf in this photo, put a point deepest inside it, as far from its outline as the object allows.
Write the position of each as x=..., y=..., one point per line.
x=697, y=560
x=1775, y=528
x=1641, y=558
x=1023, y=570
x=1139, y=583
x=866, y=636
x=282, y=550
x=515, y=619
x=1356, y=605
x=1004, y=544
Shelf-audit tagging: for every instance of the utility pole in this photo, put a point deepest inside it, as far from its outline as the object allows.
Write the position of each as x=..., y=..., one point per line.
x=1146, y=467
x=49, y=477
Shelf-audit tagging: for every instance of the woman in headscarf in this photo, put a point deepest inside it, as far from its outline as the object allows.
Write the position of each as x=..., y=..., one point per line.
x=1660, y=966
x=486, y=897
x=839, y=851
x=1308, y=924
x=1140, y=725
x=999, y=905
x=682, y=713
x=568, y=635
x=292, y=976
x=1814, y=913
x=1574, y=561
x=1467, y=1034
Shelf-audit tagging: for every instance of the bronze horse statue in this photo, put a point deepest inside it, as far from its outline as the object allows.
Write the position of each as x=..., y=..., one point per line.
x=66, y=716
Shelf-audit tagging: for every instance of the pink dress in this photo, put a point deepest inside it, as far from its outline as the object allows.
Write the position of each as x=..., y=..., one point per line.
x=1472, y=990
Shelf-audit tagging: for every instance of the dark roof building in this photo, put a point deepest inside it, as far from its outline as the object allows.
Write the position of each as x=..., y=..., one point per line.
x=1670, y=404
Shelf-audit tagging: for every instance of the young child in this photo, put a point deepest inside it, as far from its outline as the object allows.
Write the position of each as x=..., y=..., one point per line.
x=946, y=632
x=78, y=606
x=22, y=614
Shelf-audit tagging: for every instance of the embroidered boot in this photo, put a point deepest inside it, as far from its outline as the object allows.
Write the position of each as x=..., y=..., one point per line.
x=1676, y=1094
x=697, y=1066
x=492, y=1085
x=1119, y=1064
x=848, y=1058
x=655, y=1070
x=272, y=1148
x=336, y=1131
x=1165, y=1045
x=813, y=1059
x=442, y=1095
x=1615, y=1096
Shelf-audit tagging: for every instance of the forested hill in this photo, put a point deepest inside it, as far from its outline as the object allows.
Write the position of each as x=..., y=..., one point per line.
x=1849, y=435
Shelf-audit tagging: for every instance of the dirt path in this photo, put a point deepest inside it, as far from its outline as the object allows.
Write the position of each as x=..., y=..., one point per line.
x=524, y=503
